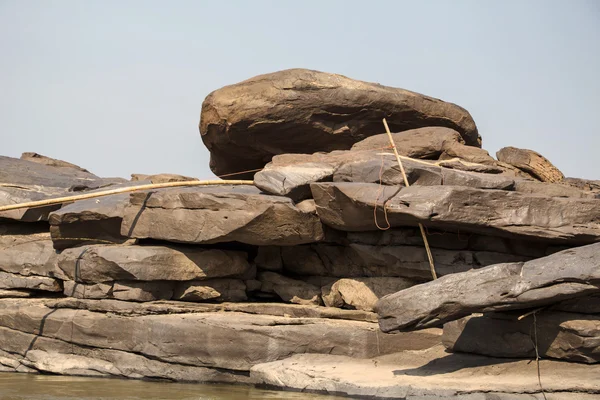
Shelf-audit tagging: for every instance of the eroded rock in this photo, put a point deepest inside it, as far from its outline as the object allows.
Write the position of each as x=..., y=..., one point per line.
x=531, y=162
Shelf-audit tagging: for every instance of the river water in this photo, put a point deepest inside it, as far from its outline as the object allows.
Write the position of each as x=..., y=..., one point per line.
x=16, y=386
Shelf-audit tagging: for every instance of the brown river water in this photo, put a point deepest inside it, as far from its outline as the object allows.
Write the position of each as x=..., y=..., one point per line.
x=16, y=386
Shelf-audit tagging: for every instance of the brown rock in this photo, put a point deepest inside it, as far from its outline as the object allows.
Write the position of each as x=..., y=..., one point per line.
x=302, y=111
x=288, y=289
x=531, y=162
x=51, y=162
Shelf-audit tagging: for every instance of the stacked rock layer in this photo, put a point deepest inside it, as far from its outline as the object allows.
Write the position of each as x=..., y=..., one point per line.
x=214, y=283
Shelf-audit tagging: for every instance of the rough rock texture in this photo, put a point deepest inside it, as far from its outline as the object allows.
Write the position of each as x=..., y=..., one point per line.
x=161, y=178
x=531, y=162
x=565, y=336
x=292, y=181
x=97, y=263
x=33, y=282
x=215, y=290
x=23, y=181
x=349, y=207
x=288, y=289
x=302, y=111
x=224, y=340
x=219, y=214
x=88, y=221
x=362, y=260
x=552, y=190
x=362, y=293
x=585, y=305
x=27, y=251
x=427, y=143
x=52, y=162
x=568, y=274
x=431, y=375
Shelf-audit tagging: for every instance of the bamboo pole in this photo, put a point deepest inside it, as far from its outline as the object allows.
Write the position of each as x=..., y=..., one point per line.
x=59, y=200
x=427, y=249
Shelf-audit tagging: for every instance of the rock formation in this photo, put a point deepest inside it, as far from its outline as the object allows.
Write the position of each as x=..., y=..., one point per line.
x=290, y=281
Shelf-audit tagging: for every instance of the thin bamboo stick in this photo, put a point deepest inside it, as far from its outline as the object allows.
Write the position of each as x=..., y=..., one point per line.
x=59, y=200
x=427, y=249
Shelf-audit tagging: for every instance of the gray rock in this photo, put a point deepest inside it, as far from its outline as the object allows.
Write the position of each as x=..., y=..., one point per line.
x=290, y=290
x=292, y=181
x=361, y=260
x=51, y=162
x=28, y=252
x=219, y=214
x=467, y=153
x=350, y=207
x=583, y=305
x=41, y=283
x=564, y=336
x=531, y=162
x=269, y=258
x=551, y=190
x=302, y=111
x=161, y=178
x=23, y=181
x=568, y=274
x=98, y=263
x=226, y=340
x=362, y=293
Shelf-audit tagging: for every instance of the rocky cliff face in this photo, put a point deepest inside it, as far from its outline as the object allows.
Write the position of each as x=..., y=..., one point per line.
x=233, y=283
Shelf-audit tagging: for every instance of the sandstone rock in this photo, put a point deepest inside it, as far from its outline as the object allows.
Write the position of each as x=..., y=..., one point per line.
x=16, y=293
x=350, y=207
x=583, y=305
x=431, y=374
x=161, y=178
x=288, y=289
x=565, y=336
x=269, y=258
x=28, y=252
x=467, y=153
x=361, y=260
x=302, y=111
x=213, y=289
x=219, y=214
x=362, y=293
x=226, y=340
x=97, y=263
x=551, y=190
x=568, y=274
x=425, y=143
x=51, y=162
x=88, y=221
x=531, y=162
x=292, y=181
x=41, y=283
x=23, y=181
x=584, y=184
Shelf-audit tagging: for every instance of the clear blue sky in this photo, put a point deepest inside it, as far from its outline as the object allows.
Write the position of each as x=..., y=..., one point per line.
x=116, y=86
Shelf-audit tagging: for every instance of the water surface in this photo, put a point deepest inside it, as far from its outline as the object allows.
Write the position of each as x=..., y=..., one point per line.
x=16, y=386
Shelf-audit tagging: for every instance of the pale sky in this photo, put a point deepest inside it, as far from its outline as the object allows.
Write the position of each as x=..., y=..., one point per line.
x=116, y=86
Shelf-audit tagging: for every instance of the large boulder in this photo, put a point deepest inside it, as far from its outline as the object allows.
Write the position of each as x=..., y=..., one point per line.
x=219, y=214
x=568, y=274
x=565, y=336
x=302, y=111
x=352, y=206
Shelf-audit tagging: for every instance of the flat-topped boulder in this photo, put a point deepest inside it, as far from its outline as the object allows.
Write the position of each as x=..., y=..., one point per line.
x=350, y=207
x=303, y=111
x=564, y=275
x=219, y=214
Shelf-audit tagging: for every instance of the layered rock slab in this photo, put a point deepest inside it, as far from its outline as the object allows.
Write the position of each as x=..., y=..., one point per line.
x=219, y=214
x=226, y=340
x=432, y=374
x=302, y=111
x=531, y=162
x=350, y=207
x=98, y=263
x=568, y=274
x=566, y=336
